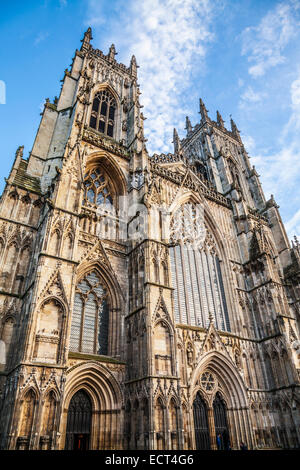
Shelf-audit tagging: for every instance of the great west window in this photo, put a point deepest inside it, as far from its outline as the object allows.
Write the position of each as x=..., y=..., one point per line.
x=196, y=272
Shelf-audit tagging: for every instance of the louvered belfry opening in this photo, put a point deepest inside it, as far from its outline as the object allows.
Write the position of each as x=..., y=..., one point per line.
x=202, y=437
x=221, y=422
x=79, y=422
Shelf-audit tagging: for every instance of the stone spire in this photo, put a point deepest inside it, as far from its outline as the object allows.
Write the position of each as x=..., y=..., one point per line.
x=133, y=66
x=220, y=120
x=87, y=37
x=176, y=141
x=188, y=125
x=112, y=53
x=203, y=111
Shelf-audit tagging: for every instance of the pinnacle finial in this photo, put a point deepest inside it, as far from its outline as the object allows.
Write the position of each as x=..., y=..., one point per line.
x=210, y=317
x=220, y=120
x=133, y=66
x=87, y=37
x=176, y=141
x=19, y=151
x=234, y=128
x=188, y=125
x=203, y=111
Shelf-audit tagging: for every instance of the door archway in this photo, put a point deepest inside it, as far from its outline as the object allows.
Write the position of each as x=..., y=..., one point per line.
x=202, y=436
x=221, y=426
x=79, y=422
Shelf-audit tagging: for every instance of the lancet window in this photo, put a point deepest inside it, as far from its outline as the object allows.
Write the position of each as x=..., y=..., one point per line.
x=90, y=318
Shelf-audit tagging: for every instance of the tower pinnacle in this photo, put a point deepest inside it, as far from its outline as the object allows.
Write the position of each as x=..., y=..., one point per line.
x=188, y=125
x=203, y=111
x=133, y=66
x=87, y=37
x=176, y=141
x=220, y=120
x=234, y=129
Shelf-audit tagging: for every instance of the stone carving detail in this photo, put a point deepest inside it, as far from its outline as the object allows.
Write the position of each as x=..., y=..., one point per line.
x=187, y=226
x=208, y=381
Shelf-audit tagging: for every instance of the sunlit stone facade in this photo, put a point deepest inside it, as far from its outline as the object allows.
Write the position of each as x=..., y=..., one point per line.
x=147, y=302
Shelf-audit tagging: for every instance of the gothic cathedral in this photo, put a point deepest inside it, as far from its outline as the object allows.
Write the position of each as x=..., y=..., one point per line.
x=146, y=302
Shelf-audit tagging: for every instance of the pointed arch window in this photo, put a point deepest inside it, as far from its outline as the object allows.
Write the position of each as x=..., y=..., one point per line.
x=98, y=190
x=90, y=318
x=103, y=113
x=196, y=272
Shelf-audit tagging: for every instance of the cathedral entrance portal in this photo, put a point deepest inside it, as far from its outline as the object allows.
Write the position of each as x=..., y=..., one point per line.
x=201, y=423
x=79, y=422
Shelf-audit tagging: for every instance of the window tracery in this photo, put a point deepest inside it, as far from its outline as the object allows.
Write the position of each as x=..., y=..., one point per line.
x=103, y=113
x=98, y=190
x=89, y=329
x=207, y=381
x=196, y=272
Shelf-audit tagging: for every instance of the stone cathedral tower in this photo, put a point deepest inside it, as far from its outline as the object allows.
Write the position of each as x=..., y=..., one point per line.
x=146, y=302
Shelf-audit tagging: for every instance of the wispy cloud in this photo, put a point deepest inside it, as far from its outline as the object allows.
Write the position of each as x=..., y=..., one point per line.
x=264, y=44
x=40, y=37
x=293, y=225
x=168, y=37
x=251, y=96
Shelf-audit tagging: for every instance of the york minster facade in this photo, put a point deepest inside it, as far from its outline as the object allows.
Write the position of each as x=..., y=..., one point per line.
x=146, y=301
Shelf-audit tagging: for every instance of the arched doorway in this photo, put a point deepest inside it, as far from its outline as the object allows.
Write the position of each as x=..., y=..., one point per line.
x=201, y=423
x=220, y=419
x=79, y=422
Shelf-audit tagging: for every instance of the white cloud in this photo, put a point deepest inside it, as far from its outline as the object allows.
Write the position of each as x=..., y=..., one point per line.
x=168, y=38
x=293, y=225
x=251, y=96
x=264, y=44
x=249, y=143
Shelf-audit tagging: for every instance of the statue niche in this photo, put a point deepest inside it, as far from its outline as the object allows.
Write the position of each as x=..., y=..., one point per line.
x=162, y=349
x=49, y=327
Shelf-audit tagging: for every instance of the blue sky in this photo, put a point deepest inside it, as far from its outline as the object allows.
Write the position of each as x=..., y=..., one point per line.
x=242, y=57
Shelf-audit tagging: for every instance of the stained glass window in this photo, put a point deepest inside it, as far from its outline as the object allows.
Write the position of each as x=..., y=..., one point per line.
x=89, y=329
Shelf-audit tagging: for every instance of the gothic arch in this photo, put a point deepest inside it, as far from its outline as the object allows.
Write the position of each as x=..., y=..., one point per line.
x=165, y=359
x=233, y=391
x=208, y=255
x=105, y=86
x=116, y=175
x=193, y=198
x=106, y=398
x=47, y=342
x=108, y=277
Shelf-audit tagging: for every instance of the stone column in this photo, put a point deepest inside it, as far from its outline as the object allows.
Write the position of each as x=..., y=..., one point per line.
x=212, y=429
x=232, y=428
